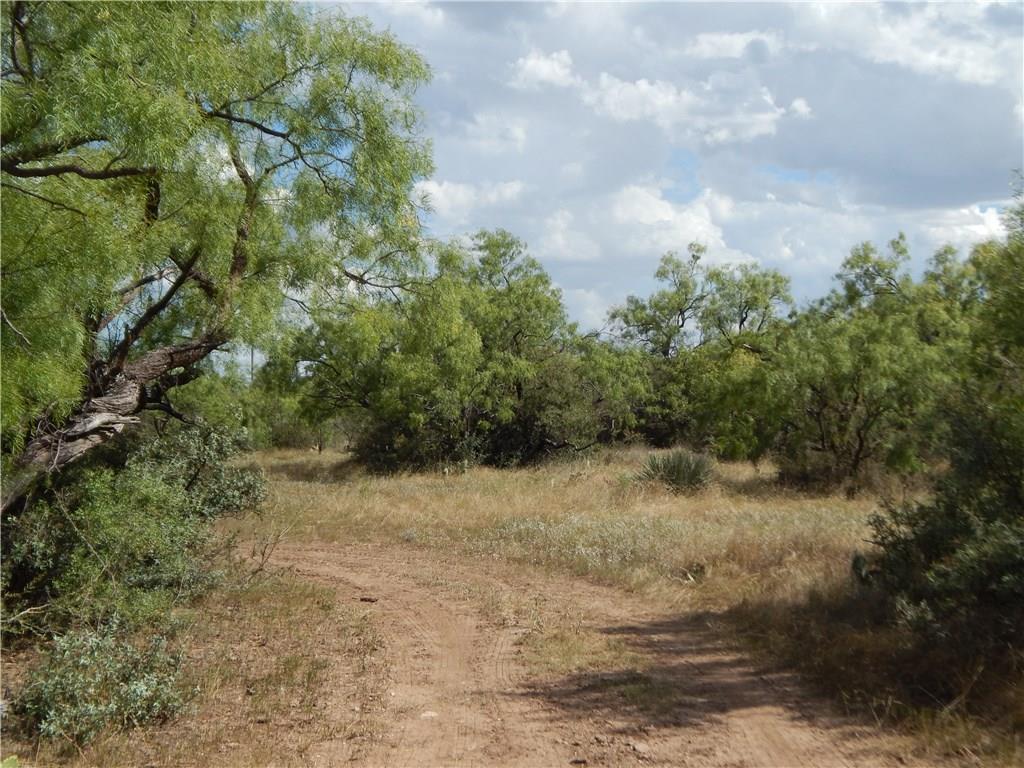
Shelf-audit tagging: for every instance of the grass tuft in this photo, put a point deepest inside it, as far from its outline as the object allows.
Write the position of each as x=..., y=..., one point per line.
x=681, y=470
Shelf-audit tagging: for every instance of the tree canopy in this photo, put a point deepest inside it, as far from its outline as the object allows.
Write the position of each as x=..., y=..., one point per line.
x=478, y=363
x=162, y=199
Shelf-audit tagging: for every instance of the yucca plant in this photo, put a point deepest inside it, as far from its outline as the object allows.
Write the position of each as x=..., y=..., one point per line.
x=681, y=470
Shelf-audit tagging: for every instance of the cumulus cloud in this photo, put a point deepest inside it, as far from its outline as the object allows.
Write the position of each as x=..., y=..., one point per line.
x=588, y=307
x=419, y=11
x=654, y=224
x=537, y=69
x=947, y=39
x=490, y=132
x=801, y=108
x=808, y=241
x=739, y=112
x=964, y=227
x=787, y=133
x=454, y=201
x=659, y=101
x=561, y=241
x=727, y=107
x=731, y=45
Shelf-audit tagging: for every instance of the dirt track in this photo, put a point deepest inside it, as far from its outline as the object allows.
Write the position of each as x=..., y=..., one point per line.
x=460, y=693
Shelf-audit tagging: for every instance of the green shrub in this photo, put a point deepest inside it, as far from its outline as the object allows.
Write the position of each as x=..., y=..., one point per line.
x=681, y=470
x=196, y=461
x=116, y=544
x=955, y=565
x=103, y=559
x=92, y=680
x=127, y=543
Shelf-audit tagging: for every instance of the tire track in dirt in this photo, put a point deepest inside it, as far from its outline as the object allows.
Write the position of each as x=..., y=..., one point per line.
x=451, y=682
x=462, y=696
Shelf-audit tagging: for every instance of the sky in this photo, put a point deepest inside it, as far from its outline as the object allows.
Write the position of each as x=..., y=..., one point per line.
x=605, y=134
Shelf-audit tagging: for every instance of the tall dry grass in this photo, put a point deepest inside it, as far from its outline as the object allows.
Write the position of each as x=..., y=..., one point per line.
x=741, y=538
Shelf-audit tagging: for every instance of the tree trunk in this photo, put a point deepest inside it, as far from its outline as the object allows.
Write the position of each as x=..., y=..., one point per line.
x=115, y=403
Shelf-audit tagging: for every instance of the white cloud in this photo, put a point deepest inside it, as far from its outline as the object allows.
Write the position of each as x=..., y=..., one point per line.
x=729, y=45
x=726, y=108
x=586, y=306
x=505, y=192
x=453, y=201
x=537, y=69
x=659, y=101
x=652, y=224
x=964, y=227
x=800, y=108
x=738, y=113
x=929, y=38
x=799, y=237
x=418, y=10
x=492, y=133
x=559, y=241
x=598, y=169
x=808, y=242
x=557, y=9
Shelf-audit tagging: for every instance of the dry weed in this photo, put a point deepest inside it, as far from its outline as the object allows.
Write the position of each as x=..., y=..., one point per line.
x=273, y=659
x=742, y=538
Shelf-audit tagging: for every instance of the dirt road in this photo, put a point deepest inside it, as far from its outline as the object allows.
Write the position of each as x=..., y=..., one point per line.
x=462, y=694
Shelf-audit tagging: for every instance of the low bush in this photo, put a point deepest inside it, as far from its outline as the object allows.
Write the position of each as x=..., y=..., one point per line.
x=126, y=543
x=102, y=560
x=197, y=461
x=114, y=544
x=681, y=470
x=954, y=566
x=91, y=680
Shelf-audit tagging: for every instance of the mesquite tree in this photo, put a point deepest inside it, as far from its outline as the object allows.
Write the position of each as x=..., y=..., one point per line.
x=478, y=364
x=170, y=173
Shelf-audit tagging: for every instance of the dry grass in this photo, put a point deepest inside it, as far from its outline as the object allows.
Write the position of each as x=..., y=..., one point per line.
x=742, y=538
x=565, y=647
x=775, y=562
x=268, y=660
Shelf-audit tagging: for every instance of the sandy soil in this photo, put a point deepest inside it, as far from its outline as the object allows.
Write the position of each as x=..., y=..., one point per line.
x=461, y=693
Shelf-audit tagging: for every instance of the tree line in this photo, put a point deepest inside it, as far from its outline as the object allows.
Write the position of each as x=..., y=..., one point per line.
x=474, y=360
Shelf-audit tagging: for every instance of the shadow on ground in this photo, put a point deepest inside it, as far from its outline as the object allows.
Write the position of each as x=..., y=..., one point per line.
x=691, y=676
x=697, y=690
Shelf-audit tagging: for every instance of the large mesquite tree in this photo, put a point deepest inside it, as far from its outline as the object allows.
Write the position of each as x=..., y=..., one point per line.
x=709, y=334
x=478, y=364
x=170, y=172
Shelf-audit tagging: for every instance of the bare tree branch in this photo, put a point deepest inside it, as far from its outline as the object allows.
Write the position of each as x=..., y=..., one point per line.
x=223, y=115
x=85, y=173
x=120, y=353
